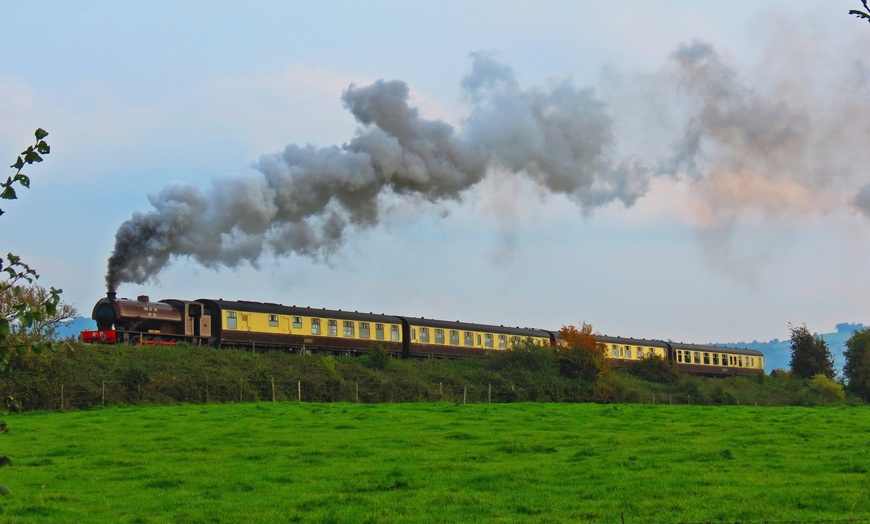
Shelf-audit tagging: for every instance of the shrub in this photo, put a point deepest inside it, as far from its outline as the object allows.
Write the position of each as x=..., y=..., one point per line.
x=826, y=391
x=655, y=369
x=378, y=358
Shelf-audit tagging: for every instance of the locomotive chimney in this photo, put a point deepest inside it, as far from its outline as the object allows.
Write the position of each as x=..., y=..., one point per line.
x=111, y=295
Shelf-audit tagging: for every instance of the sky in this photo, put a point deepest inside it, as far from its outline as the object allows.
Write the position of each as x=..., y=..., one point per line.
x=683, y=170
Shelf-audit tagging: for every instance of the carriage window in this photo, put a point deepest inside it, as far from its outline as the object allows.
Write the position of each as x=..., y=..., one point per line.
x=315, y=326
x=627, y=351
x=424, y=334
x=679, y=355
x=231, y=320
x=413, y=334
x=639, y=352
x=478, y=340
x=297, y=322
x=469, y=338
x=379, y=331
x=489, y=342
x=273, y=320
x=502, y=342
x=394, y=333
x=697, y=357
x=364, y=330
x=348, y=328
x=715, y=359
x=439, y=336
x=454, y=337
x=707, y=359
x=333, y=328
x=614, y=351
x=740, y=362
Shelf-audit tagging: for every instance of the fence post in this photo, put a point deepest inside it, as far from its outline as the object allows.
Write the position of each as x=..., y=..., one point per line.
x=240, y=390
x=103, y=396
x=357, y=391
x=489, y=396
x=464, y=394
x=441, y=390
x=61, y=397
x=299, y=390
x=273, y=389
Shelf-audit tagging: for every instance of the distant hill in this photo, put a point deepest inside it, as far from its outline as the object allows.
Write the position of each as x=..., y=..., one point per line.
x=777, y=353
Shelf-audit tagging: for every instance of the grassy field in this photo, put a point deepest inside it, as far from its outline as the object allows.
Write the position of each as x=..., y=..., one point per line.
x=292, y=462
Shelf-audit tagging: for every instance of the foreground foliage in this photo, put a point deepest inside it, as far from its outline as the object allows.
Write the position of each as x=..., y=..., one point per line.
x=442, y=462
x=20, y=314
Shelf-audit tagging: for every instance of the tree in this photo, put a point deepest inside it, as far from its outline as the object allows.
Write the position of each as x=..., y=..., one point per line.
x=861, y=14
x=810, y=354
x=579, y=355
x=34, y=296
x=23, y=315
x=857, y=367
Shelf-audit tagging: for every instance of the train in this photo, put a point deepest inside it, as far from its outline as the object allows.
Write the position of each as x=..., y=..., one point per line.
x=266, y=326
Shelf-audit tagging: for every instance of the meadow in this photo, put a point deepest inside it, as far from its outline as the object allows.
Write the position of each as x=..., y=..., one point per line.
x=438, y=462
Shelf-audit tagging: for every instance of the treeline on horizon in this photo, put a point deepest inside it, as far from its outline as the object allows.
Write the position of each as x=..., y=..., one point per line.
x=80, y=376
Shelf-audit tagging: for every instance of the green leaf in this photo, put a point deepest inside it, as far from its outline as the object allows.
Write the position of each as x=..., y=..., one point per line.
x=22, y=179
x=8, y=193
x=4, y=327
x=31, y=157
x=50, y=308
x=18, y=163
x=41, y=133
x=43, y=147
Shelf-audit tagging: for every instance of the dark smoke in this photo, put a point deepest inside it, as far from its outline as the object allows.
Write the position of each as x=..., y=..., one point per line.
x=770, y=147
x=304, y=199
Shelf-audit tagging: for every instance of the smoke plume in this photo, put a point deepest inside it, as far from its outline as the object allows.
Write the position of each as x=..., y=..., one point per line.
x=304, y=199
x=743, y=150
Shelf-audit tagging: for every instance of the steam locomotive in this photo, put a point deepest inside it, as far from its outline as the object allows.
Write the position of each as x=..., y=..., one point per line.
x=264, y=326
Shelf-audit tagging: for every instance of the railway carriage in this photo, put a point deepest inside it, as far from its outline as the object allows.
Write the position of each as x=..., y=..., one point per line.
x=715, y=360
x=258, y=325
x=265, y=325
x=622, y=351
x=442, y=338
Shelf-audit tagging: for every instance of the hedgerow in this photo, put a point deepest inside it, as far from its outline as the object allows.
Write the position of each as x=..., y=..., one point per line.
x=85, y=376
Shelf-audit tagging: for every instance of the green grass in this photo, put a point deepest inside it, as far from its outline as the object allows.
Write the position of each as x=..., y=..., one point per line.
x=292, y=462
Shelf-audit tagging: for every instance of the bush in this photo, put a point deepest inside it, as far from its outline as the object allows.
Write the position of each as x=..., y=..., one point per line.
x=378, y=358
x=825, y=391
x=655, y=369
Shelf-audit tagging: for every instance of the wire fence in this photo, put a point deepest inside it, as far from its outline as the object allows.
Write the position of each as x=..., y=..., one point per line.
x=163, y=390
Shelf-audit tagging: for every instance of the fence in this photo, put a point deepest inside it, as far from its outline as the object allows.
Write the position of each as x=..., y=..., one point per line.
x=166, y=391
